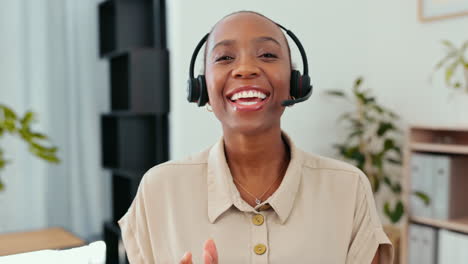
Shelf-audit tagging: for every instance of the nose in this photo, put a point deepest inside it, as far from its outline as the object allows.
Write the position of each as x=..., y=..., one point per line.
x=246, y=69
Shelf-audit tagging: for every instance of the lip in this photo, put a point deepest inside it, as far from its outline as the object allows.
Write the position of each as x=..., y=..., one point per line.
x=248, y=108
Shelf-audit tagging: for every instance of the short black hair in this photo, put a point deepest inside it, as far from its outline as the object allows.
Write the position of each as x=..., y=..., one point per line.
x=205, y=51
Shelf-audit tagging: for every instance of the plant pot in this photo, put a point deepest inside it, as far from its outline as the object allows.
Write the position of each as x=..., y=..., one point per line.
x=394, y=234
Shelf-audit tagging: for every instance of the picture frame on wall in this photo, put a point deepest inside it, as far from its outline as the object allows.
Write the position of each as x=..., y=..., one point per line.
x=431, y=10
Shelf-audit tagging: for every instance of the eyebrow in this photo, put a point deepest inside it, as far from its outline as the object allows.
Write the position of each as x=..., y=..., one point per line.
x=266, y=38
x=226, y=42
x=229, y=42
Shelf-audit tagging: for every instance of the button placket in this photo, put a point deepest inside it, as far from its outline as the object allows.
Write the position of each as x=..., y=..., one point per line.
x=259, y=238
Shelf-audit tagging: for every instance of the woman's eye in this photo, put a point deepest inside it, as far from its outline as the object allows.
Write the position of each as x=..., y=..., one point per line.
x=224, y=58
x=269, y=55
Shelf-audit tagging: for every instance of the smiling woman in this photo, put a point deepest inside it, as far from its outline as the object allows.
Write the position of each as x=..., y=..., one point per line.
x=253, y=197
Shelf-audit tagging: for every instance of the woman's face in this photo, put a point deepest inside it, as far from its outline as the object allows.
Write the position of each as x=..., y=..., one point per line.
x=247, y=73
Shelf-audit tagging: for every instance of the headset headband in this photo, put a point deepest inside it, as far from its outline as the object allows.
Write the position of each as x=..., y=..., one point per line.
x=290, y=34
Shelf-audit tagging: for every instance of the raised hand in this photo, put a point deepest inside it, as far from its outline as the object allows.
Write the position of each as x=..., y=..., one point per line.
x=210, y=254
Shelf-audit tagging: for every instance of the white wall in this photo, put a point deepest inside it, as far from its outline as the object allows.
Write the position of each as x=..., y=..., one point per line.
x=382, y=40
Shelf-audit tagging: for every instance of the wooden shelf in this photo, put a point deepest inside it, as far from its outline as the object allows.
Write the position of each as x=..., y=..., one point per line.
x=439, y=128
x=459, y=225
x=435, y=141
x=439, y=148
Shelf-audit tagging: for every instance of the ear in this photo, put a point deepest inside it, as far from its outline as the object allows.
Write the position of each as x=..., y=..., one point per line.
x=293, y=66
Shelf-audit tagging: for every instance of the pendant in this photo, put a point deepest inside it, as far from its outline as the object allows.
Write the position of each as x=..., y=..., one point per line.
x=257, y=201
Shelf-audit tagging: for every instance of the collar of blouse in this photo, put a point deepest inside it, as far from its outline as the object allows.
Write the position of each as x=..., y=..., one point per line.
x=222, y=192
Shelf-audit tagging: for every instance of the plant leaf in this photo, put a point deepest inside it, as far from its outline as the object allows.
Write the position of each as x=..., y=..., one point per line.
x=337, y=93
x=396, y=188
x=394, y=161
x=423, y=196
x=449, y=45
x=39, y=136
x=450, y=70
x=388, y=144
x=376, y=184
x=464, y=47
x=379, y=109
x=377, y=160
x=27, y=119
x=444, y=60
x=42, y=148
x=369, y=100
x=355, y=133
x=357, y=83
x=387, y=181
x=344, y=116
x=394, y=214
x=8, y=112
x=360, y=96
x=383, y=128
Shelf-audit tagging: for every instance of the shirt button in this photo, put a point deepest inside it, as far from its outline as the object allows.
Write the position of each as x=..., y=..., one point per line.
x=258, y=219
x=264, y=207
x=260, y=249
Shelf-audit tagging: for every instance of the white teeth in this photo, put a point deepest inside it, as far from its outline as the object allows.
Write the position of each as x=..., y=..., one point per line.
x=248, y=94
x=247, y=103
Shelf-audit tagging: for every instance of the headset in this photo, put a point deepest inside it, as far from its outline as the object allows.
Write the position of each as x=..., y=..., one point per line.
x=301, y=88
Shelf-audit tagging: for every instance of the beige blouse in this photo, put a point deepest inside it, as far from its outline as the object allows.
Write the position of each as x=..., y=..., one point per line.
x=323, y=212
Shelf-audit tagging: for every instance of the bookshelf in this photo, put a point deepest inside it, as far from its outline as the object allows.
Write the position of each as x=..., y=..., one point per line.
x=449, y=142
x=458, y=225
x=134, y=134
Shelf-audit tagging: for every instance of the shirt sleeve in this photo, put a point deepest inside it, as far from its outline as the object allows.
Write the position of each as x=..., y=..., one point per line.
x=134, y=229
x=367, y=234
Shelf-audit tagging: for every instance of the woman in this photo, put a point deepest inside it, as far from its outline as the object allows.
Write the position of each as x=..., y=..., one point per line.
x=253, y=197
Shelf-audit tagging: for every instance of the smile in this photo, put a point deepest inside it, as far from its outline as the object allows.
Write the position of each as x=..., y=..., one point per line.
x=248, y=100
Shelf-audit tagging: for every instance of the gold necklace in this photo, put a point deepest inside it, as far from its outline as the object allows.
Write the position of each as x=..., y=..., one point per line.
x=258, y=200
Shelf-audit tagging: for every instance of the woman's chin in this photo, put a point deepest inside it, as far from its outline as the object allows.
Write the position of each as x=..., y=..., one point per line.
x=250, y=128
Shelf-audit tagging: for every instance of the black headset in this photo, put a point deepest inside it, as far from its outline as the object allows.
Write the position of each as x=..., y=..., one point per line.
x=301, y=88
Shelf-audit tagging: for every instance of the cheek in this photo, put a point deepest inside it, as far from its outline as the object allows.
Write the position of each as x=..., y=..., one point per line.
x=282, y=82
x=215, y=83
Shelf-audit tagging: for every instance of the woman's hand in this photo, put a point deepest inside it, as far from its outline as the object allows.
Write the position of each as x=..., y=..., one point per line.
x=210, y=254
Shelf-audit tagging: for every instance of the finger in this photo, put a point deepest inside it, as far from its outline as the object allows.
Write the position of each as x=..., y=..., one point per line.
x=210, y=248
x=187, y=258
x=207, y=258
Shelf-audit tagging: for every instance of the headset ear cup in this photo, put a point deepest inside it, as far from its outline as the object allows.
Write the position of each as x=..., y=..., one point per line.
x=294, y=90
x=203, y=98
x=305, y=85
x=192, y=90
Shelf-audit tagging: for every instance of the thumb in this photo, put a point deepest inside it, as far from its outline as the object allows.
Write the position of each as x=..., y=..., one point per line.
x=210, y=253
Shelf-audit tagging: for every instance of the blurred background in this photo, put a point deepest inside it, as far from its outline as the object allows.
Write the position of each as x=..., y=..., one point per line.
x=66, y=60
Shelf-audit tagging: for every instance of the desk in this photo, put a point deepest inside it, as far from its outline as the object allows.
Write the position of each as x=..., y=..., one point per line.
x=50, y=238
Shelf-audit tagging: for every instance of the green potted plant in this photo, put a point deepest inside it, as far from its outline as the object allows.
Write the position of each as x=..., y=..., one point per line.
x=372, y=143
x=11, y=123
x=454, y=59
